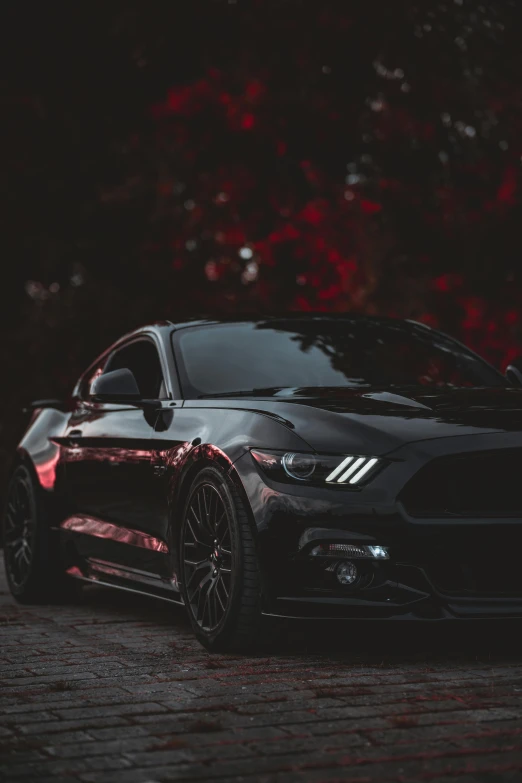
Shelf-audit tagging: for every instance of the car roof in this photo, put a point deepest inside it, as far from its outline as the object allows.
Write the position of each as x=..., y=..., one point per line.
x=288, y=318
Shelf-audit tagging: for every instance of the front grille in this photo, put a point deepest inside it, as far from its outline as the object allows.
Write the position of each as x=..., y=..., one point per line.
x=480, y=484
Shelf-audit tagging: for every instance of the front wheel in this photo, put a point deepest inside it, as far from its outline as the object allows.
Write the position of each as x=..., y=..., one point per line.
x=220, y=579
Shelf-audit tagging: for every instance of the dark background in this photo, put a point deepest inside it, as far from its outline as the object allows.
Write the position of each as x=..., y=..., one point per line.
x=164, y=159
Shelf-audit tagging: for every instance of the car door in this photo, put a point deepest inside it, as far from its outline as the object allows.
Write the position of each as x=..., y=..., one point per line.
x=110, y=481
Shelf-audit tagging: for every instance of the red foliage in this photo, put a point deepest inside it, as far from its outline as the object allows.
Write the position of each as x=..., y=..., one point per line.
x=507, y=190
x=370, y=207
x=248, y=121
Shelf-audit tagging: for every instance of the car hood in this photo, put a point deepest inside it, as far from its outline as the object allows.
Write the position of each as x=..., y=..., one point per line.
x=342, y=420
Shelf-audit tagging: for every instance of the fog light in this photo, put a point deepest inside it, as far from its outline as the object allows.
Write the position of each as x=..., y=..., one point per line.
x=346, y=573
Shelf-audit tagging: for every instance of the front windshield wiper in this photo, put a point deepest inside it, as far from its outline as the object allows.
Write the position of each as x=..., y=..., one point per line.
x=244, y=393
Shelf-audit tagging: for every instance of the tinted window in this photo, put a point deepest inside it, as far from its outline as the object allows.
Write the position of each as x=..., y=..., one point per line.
x=316, y=353
x=142, y=359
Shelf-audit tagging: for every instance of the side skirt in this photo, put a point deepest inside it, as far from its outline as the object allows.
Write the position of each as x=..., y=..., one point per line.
x=102, y=572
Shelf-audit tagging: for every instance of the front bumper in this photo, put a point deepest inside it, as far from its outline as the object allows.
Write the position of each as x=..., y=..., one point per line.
x=437, y=568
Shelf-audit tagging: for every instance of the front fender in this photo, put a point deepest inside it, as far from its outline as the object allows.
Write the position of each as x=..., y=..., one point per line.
x=194, y=436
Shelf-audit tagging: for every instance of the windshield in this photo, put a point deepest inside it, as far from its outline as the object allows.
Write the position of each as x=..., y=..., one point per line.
x=239, y=357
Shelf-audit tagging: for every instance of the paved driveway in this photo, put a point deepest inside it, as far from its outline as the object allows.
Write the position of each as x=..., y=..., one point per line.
x=116, y=689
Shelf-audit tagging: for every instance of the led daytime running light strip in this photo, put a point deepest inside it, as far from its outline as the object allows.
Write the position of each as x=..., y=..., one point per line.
x=357, y=470
x=358, y=476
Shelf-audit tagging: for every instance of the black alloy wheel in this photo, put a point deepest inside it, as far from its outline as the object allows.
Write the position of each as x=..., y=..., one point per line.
x=220, y=579
x=19, y=530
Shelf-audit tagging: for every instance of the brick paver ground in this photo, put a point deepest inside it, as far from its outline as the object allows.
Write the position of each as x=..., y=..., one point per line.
x=116, y=689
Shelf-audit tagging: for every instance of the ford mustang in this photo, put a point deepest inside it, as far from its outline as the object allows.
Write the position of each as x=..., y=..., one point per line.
x=308, y=466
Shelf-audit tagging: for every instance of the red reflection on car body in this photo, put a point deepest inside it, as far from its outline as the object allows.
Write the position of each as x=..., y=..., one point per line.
x=91, y=526
x=112, y=454
x=47, y=471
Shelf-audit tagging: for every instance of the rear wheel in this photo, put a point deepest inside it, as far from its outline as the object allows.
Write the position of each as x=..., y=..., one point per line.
x=220, y=581
x=32, y=559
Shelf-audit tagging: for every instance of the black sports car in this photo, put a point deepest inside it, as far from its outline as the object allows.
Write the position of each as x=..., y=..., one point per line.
x=306, y=466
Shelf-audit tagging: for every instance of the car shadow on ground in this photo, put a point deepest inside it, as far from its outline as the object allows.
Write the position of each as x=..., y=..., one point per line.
x=375, y=642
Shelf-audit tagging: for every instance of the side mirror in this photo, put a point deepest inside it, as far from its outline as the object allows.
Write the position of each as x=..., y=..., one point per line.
x=116, y=386
x=514, y=371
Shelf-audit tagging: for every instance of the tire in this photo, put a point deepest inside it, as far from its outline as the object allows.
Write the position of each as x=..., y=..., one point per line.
x=32, y=559
x=220, y=578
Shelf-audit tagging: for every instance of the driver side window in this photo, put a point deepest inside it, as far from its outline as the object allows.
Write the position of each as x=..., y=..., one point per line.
x=142, y=359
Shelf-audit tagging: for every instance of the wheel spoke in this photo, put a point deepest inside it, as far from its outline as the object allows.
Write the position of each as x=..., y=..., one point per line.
x=204, y=499
x=191, y=530
x=211, y=501
x=196, y=544
x=225, y=543
x=225, y=575
x=17, y=495
x=219, y=517
x=21, y=555
x=206, y=515
x=208, y=497
x=201, y=532
x=200, y=607
x=14, y=543
x=21, y=499
x=197, y=563
x=13, y=518
x=205, y=588
x=204, y=532
x=210, y=602
x=196, y=517
x=195, y=582
x=11, y=528
x=194, y=593
x=18, y=552
x=222, y=523
x=11, y=513
x=221, y=582
x=201, y=510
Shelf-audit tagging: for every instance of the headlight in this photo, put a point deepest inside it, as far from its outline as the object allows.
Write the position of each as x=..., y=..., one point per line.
x=349, y=471
x=298, y=466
